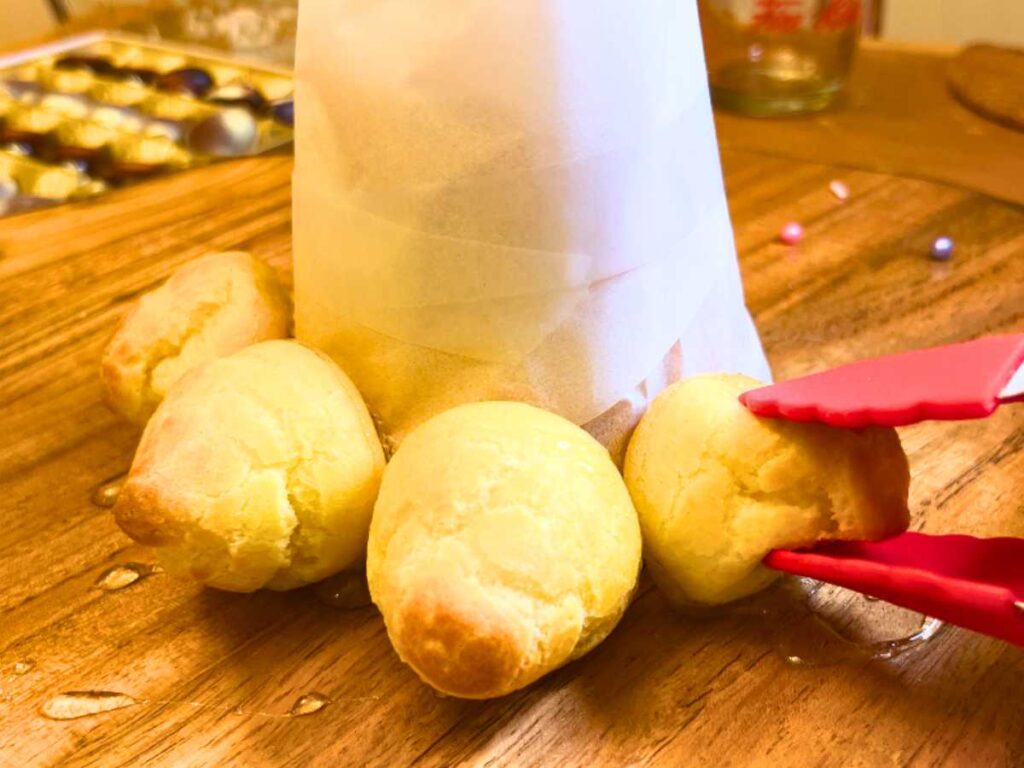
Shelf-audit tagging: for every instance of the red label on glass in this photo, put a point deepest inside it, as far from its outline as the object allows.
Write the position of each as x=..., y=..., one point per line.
x=778, y=15
x=839, y=14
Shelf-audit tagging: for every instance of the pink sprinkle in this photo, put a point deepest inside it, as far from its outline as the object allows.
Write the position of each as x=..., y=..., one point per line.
x=792, y=233
x=839, y=189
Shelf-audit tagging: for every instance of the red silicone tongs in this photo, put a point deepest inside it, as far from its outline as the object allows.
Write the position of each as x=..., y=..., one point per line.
x=974, y=583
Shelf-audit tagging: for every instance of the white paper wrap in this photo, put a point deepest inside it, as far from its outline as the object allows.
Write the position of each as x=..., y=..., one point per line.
x=512, y=199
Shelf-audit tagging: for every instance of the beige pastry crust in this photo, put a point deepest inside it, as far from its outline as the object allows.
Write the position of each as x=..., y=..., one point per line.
x=503, y=545
x=717, y=488
x=259, y=469
x=208, y=308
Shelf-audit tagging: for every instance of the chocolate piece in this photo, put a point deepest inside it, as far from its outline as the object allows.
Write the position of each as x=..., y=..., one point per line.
x=39, y=183
x=187, y=79
x=284, y=112
x=227, y=133
x=95, y=64
x=19, y=149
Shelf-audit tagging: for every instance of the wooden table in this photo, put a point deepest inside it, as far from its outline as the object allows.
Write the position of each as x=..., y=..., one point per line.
x=665, y=689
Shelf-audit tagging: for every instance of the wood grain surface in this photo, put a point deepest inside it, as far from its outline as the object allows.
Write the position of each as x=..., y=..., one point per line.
x=215, y=674
x=897, y=116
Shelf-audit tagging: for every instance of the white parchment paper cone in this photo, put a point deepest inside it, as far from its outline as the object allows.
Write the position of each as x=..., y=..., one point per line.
x=628, y=208
x=510, y=200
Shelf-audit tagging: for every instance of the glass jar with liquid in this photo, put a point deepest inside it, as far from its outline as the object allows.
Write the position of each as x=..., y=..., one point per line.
x=774, y=57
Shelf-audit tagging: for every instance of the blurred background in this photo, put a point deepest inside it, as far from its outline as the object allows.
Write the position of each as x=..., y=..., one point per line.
x=266, y=27
x=262, y=28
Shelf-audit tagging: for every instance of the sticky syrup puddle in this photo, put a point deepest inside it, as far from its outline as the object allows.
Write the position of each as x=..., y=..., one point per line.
x=812, y=624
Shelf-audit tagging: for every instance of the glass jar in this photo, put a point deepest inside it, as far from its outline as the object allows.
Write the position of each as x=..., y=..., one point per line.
x=774, y=57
